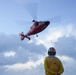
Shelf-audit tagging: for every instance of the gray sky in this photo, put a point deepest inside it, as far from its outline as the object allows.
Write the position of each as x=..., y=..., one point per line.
x=26, y=57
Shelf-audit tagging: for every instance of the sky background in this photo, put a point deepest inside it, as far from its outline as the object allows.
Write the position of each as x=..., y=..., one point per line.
x=27, y=57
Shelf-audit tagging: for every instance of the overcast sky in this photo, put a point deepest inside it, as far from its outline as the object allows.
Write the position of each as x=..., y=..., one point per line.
x=27, y=57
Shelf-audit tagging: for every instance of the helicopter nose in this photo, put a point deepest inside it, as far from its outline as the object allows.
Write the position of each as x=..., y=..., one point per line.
x=47, y=22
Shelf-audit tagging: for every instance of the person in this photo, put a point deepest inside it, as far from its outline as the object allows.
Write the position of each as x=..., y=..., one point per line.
x=52, y=64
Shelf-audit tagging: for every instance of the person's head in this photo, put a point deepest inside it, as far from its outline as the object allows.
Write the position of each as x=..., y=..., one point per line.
x=51, y=51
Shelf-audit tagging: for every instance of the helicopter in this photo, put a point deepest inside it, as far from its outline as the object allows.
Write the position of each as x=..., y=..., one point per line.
x=37, y=27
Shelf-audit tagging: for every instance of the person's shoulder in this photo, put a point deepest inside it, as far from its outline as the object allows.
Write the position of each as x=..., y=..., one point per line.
x=46, y=57
x=57, y=58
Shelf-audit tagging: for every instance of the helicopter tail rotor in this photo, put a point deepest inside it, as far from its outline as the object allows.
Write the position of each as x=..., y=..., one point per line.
x=23, y=36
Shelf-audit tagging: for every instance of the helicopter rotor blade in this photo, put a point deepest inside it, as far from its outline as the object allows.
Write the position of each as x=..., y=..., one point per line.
x=22, y=22
x=32, y=9
x=55, y=19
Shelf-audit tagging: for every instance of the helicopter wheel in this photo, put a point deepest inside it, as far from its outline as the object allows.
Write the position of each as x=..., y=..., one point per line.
x=36, y=35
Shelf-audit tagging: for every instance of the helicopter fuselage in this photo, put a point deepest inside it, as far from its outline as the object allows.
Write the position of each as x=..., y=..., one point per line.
x=38, y=27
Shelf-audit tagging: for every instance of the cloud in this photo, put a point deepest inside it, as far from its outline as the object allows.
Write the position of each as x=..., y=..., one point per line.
x=34, y=71
x=15, y=55
x=28, y=65
x=66, y=46
x=52, y=35
x=69, y=65
x=8, y=54
x=13, y=50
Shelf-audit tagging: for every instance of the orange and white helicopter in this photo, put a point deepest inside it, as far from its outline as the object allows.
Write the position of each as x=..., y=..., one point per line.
x=37, y=27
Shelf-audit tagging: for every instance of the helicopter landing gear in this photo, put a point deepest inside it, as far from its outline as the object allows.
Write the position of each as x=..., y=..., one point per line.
x=36, y=35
